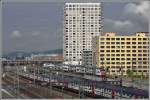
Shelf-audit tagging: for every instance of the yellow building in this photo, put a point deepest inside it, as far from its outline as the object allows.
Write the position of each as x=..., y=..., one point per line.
x=125, y=52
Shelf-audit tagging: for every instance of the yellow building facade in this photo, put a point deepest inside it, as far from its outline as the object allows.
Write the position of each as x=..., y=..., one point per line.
x=122, y=53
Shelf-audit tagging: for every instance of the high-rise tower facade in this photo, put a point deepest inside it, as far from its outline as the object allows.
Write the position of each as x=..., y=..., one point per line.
x=82, y=21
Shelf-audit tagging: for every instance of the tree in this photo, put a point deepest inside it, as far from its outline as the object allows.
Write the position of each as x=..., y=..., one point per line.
x=129, y=73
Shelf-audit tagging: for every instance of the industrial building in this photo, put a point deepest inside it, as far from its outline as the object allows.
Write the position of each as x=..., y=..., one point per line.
x=122, y=53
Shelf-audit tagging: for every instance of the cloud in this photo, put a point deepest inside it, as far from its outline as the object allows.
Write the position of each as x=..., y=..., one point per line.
x=133, y=18
x=16, y=34
x=139, y=10
x=117, y=25
x=35, y=33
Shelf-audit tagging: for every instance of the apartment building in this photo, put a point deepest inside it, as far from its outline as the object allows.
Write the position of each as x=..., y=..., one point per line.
x=82, y=21
x=122, y=53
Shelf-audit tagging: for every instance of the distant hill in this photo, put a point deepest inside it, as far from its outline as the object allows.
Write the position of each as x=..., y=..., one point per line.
x=22, y=54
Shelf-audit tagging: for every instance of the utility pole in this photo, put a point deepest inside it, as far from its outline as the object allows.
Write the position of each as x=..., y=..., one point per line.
x=121, y=78
x=17, y=80
x=34, y=74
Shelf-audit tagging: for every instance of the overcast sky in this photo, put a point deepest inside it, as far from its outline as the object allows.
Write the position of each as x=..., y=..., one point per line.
x=39, y=26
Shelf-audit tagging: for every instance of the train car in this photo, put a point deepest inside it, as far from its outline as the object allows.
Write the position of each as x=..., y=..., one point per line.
x=89, y=71
x=100, y=72
x=80, y=69
x=49, y=65
x=65, y=68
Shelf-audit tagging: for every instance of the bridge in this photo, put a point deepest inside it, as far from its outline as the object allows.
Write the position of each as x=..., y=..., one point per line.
x=27, y=62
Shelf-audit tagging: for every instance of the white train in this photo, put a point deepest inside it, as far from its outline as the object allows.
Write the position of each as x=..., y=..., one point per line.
x=83, y=70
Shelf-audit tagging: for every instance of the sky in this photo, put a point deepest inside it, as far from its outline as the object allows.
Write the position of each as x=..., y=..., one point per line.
x=39, y=26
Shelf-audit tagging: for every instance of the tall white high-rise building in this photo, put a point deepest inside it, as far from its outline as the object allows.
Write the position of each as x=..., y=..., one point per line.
x=82, y=21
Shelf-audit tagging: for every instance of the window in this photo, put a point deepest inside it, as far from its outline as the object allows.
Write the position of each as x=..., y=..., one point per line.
x=117, y=38
x=112, y=46
x=113, y=71
x=133, y=42
x=128, y=46
x=133, y=38
x=107, y=50
x=128, y=66
x=133, y=58
x=112, y=58
x=144, y=38
x=139, y=39
x=122, y=38
x=107, y=58
x=107, y=46
x=133, y=46
x=117, y=42
x=102, y=43
x=128, y=58
x=108, y=54
x=144, y=58
x=122, y=42
x=112, y=54
x=112, y=42
x=144, y=42
x=122, y=50
x=133, y=54
x=139, y=46
x=117, y=50
x=128, y=62
x=144, y=46
x=122, y=54
x=139, y=42
x=139, y=58
x=112, y=38
x=122, y=58
x=102, y=46
x=128, y=38
x=112, y=66
x=133, y=50
x=107, y=38
x=144, y=50
x=112, y=50
x=139, y=50
x=117, y=54
x=107, y=42
x=144, y=54
x=101, y=54
x=128, y=42
x=102, y=38
x=128, y=54
x=101, y=50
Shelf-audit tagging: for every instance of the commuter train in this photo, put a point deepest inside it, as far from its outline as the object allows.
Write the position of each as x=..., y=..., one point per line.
x=83, y=70
x=103, y=89
x=80, y=69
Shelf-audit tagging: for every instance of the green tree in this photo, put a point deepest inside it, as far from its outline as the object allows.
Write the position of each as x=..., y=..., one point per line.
x=130, y=73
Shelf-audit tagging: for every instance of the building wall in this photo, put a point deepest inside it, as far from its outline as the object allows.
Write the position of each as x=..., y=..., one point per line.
x=127, y=52
x=87, y=58
x=82, y=21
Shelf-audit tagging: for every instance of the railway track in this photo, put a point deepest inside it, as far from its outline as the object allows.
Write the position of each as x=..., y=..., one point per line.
x=69, y=91
x=37, y=91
